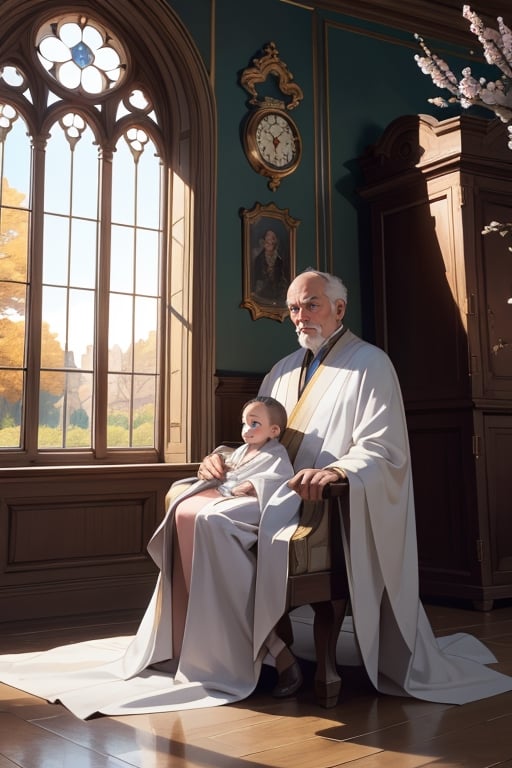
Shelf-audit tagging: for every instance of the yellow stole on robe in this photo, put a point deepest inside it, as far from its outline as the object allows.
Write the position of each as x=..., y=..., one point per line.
x=304, y=411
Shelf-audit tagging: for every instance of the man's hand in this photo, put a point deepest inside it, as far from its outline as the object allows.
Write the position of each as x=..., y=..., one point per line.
x=310, y=483
x=212, y=467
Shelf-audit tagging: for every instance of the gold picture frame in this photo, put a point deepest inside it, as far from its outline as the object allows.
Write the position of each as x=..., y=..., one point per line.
x=269, y=256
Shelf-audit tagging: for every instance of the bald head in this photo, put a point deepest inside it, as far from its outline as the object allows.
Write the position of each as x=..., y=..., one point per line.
x=317, y=302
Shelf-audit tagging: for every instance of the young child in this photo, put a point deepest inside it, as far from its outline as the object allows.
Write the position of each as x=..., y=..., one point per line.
x=263, y=419
x=253, y=471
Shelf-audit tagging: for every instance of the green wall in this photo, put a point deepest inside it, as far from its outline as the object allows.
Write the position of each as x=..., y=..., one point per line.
x=372, y=79
x=244, y=344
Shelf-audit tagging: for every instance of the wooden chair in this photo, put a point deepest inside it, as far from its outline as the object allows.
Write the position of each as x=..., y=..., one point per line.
x=317, y=577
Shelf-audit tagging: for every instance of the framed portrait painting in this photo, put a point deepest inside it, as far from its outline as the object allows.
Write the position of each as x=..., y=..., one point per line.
x=269, y=243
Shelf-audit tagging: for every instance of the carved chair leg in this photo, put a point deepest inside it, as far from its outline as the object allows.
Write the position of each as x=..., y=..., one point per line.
x=327, y=625
x=284, y=629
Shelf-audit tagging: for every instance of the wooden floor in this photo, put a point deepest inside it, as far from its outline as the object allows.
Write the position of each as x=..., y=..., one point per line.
x=365, y=730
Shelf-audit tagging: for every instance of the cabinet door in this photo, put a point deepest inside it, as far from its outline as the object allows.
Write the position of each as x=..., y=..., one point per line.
x=494, y=274
x=445, y=500
x=419, y=285
x=498, y=452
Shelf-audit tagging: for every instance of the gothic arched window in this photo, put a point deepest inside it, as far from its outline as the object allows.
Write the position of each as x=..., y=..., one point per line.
x=99, y=194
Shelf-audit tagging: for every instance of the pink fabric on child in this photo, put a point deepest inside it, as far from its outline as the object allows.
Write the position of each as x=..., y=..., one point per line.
x=185, y=520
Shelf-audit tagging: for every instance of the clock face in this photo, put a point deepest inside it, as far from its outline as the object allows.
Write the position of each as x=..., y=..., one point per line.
x=276, y=140
x=272, y=144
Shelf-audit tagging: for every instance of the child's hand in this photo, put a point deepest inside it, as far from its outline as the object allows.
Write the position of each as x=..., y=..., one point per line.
x=244, y=489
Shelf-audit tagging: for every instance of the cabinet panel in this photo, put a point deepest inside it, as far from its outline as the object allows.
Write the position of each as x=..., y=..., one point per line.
x=444, y=493
x=425, y=334
x=498, y=441
x=495, y=279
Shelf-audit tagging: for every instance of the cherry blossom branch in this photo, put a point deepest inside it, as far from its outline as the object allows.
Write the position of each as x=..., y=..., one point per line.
x=495, y=95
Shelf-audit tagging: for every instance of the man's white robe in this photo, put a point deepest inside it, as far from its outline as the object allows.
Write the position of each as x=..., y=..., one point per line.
x=218, y=663
x=351, y=416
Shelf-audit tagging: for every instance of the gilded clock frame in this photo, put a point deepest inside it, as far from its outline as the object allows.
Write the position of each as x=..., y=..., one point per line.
x=252, y=151
x=270, y=65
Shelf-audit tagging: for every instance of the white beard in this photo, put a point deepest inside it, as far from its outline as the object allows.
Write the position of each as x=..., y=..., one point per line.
x=307, y=342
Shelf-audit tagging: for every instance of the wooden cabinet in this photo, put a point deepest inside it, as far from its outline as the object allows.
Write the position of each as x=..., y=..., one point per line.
x=442, y=293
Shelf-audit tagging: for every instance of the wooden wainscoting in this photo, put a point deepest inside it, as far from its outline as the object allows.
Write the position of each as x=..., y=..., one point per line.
x=73, y=539
x=230, y=395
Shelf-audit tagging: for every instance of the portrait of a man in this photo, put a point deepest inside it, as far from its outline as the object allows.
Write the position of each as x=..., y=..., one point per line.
x=269, y=260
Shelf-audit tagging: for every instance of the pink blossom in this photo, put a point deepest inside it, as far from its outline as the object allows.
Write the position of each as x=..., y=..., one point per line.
x=497, y=48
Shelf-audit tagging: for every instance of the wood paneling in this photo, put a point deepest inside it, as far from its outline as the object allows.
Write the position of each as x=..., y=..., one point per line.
x=498, y=439
x=91, y=530
x=230, y=395
x=438, y=19
x=73, y=540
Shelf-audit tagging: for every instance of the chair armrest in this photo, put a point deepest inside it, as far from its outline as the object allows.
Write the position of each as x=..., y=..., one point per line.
x=310, y=544
x=333, y=490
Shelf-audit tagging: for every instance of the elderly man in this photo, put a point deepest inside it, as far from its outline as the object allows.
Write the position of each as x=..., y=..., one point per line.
x=346, y=418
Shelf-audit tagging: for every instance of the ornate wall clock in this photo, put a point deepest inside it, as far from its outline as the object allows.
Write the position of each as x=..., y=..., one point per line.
x=271, y=139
